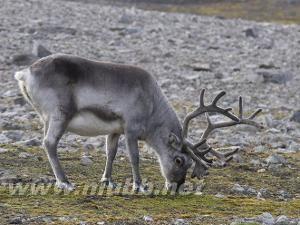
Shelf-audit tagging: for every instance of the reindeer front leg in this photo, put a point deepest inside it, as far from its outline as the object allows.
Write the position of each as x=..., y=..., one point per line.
x=133, y=151
x=53, y=132
x=111, y=151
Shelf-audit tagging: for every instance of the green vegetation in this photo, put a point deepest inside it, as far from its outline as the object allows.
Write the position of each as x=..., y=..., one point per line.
x=258, y=10
x=93, y=207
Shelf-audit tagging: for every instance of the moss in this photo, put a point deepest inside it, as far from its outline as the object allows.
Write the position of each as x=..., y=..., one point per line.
x=113, y=207
x=252, y=223
x=274, y=11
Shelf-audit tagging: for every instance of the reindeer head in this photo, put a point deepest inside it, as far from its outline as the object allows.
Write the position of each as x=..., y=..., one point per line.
x=198, y=151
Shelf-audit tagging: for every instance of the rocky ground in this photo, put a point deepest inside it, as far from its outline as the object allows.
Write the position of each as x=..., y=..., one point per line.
x=186, y=53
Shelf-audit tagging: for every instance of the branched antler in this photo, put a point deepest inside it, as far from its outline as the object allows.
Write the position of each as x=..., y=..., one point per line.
x=248, y=121
x=209, y=108
x=202, y=163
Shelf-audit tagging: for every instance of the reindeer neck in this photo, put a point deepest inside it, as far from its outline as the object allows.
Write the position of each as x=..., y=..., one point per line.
x=162, y=122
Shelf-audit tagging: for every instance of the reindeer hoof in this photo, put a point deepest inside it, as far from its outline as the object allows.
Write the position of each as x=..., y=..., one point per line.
x=65, y=186
x=108, y=183
x=139, y=188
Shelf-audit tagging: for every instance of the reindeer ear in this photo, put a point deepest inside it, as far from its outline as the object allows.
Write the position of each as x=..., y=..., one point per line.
x=173, y=139
x=199, y=171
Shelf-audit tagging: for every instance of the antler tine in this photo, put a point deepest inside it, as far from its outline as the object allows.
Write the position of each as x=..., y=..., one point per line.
x=206, y=159
x=202, y=154
x=254, y=114
x=196, y=158
x=193, y=114
x=217, y=98
x=240, y=107
x=207, y=108
x=202, y=98
x=195, y=146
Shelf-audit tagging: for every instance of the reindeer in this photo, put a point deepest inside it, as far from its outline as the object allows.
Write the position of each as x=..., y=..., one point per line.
x=92, y=98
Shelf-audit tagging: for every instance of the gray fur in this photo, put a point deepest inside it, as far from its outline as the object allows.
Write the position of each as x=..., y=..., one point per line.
x=120, y=99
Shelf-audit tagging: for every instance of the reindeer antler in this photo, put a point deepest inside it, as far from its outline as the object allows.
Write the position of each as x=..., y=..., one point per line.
x=209, y=108
x=202, y=163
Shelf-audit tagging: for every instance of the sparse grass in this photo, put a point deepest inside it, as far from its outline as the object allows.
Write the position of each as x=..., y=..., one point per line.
x=258, y=10
x=132, y=208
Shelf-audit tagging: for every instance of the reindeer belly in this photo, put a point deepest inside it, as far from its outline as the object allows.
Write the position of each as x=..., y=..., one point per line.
x=88, y=124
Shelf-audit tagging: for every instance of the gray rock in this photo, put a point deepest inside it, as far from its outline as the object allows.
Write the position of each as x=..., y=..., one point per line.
x=58, y=30
x=277, y=77
x=269, y=65
x=237, y=158
x=4, y=139
x=293, y=147
x=266, y=219
x=254, y=77
x=296, y=116
x=15, y=135
x=204, y=67
x=126, y=19
x=180, y=222
x=293, y=1
x=4, y=172
x=283, y=194
x=148, y=219
x=131, y=31
x=3, y=150
x=237, y=188
x=276, y=159
x=44, y=180
x=282, y=220
x=274, y=167
x=219, y=195
x=251, y=191
x=244, y=190
x=88, y=147
x=255, y=162
x=86, y=160
x=9, y=179
x=25, y=155
x=31, y=142
x=16, y=220
x=264, y=192
x=39, y=50
x=219, y=75
x=260, y=148
x=251, y=32
x=271, y=122
x=43, y=219
x=2, y=109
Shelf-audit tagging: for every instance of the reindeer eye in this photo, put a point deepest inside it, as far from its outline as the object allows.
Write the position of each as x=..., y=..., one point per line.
x=178, y=161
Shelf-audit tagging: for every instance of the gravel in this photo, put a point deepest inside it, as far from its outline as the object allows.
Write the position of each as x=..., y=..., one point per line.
x=86, y=160
x=296, y=116
x=25, y=155
x=260, y=61
x=184, y=52
x=3, y=150
x=276, y=159
x=266, y=218
x=244, y=190
x=148, y=219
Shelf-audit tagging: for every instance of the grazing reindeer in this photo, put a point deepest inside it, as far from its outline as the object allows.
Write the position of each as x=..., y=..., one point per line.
x=93, y=98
